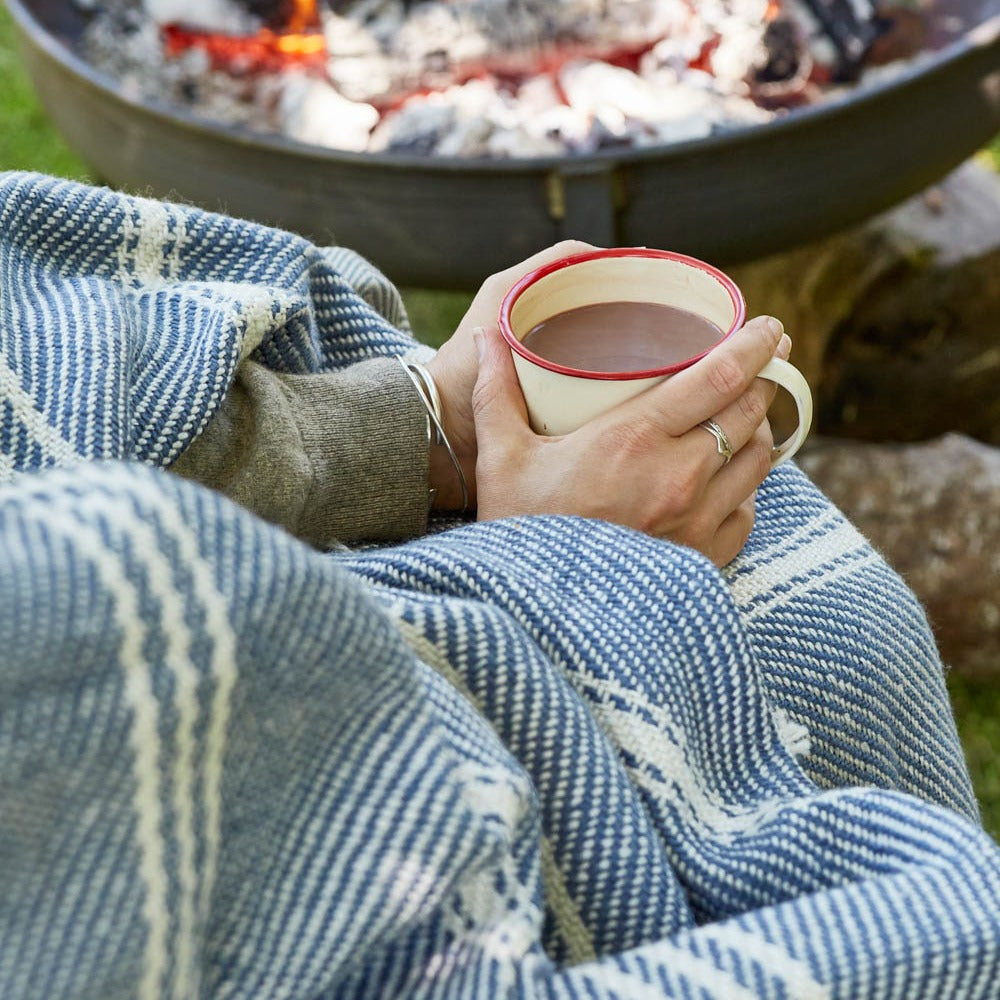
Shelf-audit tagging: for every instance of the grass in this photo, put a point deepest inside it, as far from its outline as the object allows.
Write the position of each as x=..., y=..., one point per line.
x=28, y=142
x=977, y=712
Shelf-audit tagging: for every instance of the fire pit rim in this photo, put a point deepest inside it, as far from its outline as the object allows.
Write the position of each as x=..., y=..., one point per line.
x=984, y=34
x=735, y=196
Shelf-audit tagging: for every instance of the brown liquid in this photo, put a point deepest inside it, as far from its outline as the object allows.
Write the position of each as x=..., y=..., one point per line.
x=622, y=337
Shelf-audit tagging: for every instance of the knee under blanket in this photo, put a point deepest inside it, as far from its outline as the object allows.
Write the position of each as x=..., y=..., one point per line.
x=538, y=758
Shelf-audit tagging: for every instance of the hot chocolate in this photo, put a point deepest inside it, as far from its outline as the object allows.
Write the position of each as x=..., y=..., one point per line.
x=622, y=337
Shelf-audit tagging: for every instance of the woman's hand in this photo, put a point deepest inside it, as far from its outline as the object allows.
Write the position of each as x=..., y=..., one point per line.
x=455, y=367
x=646, y=464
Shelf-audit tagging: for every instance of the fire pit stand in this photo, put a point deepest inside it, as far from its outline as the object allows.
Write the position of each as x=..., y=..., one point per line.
x=435, y=222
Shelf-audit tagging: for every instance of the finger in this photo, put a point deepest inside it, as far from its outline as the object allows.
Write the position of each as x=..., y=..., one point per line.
x=740, y=420
x=715, y=382
x=498, y=408
x=716, y=495
x=734, y=482
x=483, y=309
x=564, y=248
x=733, y=533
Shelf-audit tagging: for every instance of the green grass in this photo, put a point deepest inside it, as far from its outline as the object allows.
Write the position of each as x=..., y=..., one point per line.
x=977, y=711
x=28, y=142
x=433, y=314
x=993, y=153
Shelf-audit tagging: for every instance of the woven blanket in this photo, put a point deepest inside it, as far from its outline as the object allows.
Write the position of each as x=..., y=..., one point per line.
x=537, y=758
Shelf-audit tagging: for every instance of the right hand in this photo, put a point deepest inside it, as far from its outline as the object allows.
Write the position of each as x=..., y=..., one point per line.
x=646, y=463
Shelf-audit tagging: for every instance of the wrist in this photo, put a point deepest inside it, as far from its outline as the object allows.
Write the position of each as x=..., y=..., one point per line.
x=456, y=419
x=444, y=483
x=447, y=473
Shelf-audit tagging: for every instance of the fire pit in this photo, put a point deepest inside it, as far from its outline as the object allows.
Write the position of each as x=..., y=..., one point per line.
x=450, y=221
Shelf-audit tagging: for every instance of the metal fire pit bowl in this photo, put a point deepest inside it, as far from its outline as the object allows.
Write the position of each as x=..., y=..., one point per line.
x=448, y=223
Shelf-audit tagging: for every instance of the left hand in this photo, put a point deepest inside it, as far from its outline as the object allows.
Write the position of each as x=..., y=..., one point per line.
x=455, y=368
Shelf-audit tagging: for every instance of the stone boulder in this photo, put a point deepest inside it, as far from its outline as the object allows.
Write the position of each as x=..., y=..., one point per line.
x=933, y=510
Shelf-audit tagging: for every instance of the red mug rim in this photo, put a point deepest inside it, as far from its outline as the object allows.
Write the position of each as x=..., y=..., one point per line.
x=735, y=295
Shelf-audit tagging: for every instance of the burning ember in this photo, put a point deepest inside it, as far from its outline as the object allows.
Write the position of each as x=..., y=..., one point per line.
x=298, y=42
x=496, y=78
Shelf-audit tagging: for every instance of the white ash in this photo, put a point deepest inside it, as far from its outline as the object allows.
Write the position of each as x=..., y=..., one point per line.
x=384, y=49
x=209, y=15
x=307, y=107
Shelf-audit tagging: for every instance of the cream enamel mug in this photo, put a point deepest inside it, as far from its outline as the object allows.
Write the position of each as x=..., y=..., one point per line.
x=559, y=398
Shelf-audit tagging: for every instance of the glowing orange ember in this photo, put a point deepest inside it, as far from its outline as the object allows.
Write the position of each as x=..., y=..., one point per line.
x=300, y=43
x=305, y=17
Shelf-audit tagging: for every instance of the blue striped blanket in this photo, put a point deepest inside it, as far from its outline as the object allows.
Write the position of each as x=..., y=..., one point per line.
x=538, y=758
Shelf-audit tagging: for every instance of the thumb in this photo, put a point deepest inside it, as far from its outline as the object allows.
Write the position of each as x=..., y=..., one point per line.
x=497, y=404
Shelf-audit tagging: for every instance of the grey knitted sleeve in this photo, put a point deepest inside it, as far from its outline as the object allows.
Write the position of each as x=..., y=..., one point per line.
x=336, y=457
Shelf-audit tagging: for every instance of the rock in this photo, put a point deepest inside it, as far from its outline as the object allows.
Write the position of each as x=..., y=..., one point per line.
x=895, y=322
x=416, y=128
x=933, y=510
x=312, y=111
x=920, y=353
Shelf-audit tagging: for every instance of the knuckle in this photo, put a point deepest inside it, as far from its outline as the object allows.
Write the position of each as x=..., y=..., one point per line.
x=761, y=447
x=766, y=435
x=702, y=539
x=566, y=247
x=485, y=394
x=630, y=439
x=753, y=407
x=681, y=494
x=499, y=282
x=766, y=335
x=726, y=377
x=646, y=521
x=698, y=533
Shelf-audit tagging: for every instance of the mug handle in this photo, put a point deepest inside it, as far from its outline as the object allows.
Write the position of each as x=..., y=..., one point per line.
x=793, y=381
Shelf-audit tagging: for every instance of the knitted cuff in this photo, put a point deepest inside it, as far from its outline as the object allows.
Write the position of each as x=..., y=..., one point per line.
x=364, y=434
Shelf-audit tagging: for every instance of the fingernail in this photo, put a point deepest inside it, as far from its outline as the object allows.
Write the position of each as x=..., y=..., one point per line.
x=775, y=325
x=784, y=347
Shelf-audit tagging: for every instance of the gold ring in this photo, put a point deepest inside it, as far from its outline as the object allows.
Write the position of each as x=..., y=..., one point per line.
x=721, y=441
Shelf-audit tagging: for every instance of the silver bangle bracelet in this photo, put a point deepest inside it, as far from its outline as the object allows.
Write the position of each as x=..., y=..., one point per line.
x=427, y=390
x=432, y=396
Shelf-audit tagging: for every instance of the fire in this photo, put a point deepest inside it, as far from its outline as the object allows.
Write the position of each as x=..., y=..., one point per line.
x=299, y=43
x=304, y=17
